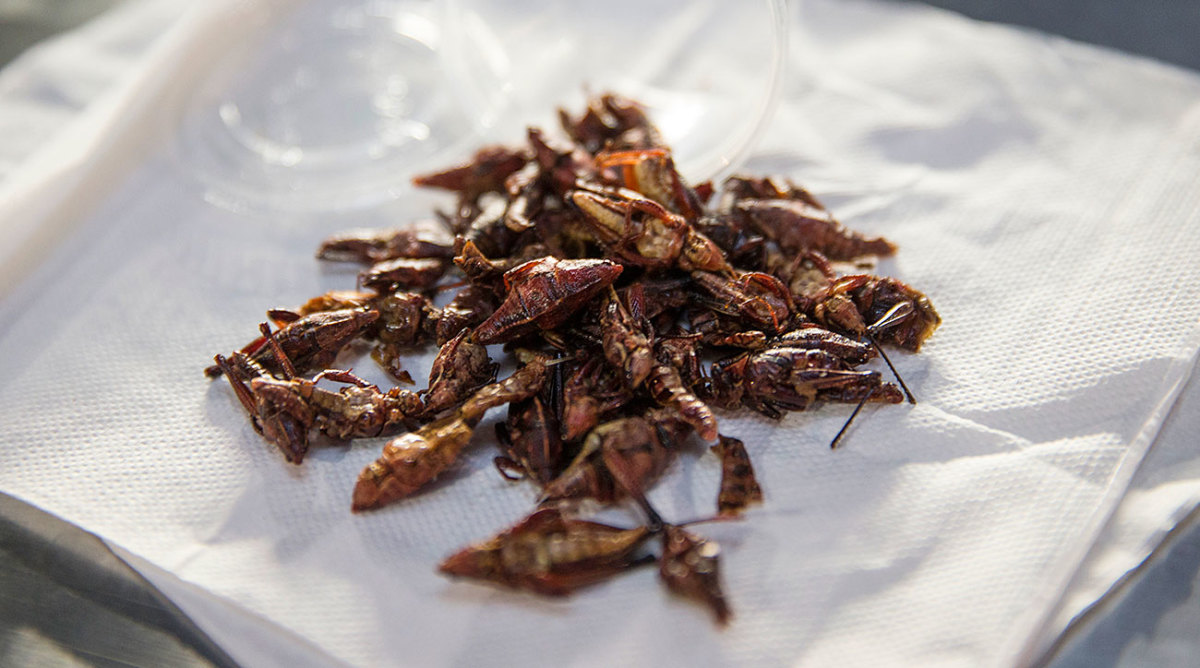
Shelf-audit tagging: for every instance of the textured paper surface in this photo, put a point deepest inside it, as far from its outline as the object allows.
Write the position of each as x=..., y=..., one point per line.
x=1162, y=494
x=1043, y=194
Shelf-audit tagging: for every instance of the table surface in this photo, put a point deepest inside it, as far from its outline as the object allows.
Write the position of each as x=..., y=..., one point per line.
x=66, y=600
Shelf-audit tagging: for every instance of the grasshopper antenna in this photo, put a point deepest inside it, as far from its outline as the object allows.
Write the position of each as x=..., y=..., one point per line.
x=834, y=443
x=892, y=316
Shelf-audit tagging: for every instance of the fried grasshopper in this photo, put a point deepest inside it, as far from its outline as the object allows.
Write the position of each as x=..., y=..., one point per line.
x=639, y=307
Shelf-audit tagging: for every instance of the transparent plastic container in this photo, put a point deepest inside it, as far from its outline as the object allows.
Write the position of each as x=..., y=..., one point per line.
x=341, y=103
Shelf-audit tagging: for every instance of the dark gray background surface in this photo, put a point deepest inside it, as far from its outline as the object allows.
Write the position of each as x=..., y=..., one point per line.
x=66, y=600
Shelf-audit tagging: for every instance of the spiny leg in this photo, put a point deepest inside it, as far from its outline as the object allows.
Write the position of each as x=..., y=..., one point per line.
x=239, y=388
x=289, y=371
x=340, y=376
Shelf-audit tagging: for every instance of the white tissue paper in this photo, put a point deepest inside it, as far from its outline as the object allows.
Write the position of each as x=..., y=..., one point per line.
x=1042, y=193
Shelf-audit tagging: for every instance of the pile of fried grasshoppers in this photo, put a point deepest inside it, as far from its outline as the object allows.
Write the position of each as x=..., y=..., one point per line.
x=633, y=305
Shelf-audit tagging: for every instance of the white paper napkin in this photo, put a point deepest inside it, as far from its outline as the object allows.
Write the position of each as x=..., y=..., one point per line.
x=1042, y=193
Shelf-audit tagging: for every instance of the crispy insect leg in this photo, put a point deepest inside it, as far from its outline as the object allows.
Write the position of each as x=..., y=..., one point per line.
x=668, y=389
x=280, y=358
x=522, y=384
x=739, y=488
x=237, y=379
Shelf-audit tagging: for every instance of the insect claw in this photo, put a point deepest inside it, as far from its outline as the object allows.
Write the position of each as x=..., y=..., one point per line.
x=655, y=521
x=508, y=468
x=343, y=376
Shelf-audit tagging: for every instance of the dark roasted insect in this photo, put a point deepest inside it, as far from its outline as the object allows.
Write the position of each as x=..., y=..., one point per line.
x=286, y=431
x=469, y=307
x=284, y=410
x=741, y=187
x=808, y=276
x=859, y=303
x=477, y=267
x=522, y=384
x=639, y=231
x=543, y=294
x=627, y=338
x=335, y=300
x=403, y=273
x=531, y=440
x=743, y=246
x=357, y=410
x=682, y=353
x=750, y=339
x=369, y=246
x=633, y=229
x=611, y=121
x=485, y=229
x=590, y=393
x=651, y=440
x=758, y=299
x=460, y=368
x=560, y=164
x=810, y=336
x=793, y=379
x=798, y=226
x=407, y=320
x=412, y=460
x=666, y=387
x=311, y=342
x=486, y=172
x=652, y=173
x=548, y=553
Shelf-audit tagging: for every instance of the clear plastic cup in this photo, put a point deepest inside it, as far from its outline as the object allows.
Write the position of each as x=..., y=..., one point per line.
x=341, y=103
